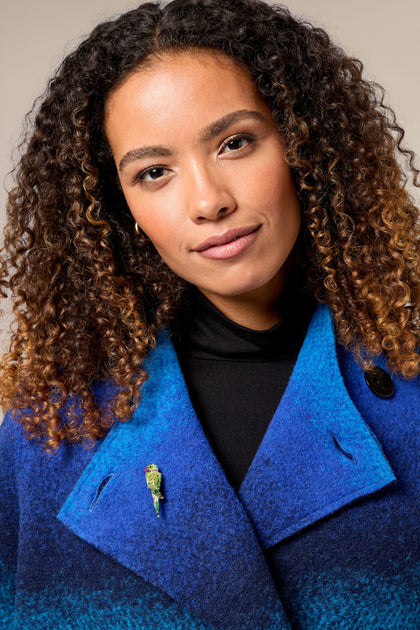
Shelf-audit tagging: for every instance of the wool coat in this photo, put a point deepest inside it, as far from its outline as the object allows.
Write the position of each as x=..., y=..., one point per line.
x=323, y=532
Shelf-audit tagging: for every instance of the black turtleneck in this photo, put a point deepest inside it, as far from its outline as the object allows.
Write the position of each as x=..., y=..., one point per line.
x=236, y=376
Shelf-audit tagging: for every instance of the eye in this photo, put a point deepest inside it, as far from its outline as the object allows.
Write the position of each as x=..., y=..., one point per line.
x=151, y=174
x=237, y=143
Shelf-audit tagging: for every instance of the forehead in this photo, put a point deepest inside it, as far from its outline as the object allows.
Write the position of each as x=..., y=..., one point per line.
x=190, y=65
x=180, y=89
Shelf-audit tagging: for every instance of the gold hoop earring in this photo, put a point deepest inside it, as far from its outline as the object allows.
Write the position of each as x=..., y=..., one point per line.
x=139, y=233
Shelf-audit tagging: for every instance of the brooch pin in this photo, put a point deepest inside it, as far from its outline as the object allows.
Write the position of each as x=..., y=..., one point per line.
x=154, y=480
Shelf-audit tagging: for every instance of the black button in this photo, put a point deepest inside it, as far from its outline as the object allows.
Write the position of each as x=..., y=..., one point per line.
x=379, y=382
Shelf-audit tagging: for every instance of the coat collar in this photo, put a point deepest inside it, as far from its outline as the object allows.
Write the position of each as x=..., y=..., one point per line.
x=318, y=454
x=206, y=549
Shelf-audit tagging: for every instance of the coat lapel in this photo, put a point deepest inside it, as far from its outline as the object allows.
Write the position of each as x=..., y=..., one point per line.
x=205, y=550
x=202, y=550
x=318, y=454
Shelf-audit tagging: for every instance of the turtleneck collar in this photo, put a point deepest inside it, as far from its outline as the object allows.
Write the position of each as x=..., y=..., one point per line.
x=203, y=331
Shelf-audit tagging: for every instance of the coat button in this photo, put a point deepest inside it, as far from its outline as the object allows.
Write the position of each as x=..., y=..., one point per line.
x=379, y=382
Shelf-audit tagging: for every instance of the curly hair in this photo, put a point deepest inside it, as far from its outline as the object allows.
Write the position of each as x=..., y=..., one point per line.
x=90, y=299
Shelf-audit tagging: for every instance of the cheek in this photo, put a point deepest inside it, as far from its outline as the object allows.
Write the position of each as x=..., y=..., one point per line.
x=270, y=180
x=162, y=234
x=282, y=186
x=282, y=206
x=151, y=219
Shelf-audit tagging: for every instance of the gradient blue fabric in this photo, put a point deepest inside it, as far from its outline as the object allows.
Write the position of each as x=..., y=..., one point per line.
x=323, y=533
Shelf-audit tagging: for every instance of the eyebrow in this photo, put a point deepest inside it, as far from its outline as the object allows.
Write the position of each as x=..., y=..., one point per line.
x=213, y=130
x=207, y=134
x=145, y=152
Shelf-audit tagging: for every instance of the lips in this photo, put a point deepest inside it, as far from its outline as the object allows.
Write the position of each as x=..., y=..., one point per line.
x=227, y=237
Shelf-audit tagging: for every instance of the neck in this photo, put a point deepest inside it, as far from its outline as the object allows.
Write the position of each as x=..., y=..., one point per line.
x=258, y=310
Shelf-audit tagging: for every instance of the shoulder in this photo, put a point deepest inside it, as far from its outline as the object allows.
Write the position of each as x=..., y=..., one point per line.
x=12, y=439
x=27, y=468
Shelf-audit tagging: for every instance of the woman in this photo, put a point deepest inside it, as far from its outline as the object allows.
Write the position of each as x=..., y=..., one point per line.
x=191, y=442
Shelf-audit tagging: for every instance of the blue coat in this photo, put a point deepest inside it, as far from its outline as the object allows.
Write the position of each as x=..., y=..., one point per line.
x=323, y=533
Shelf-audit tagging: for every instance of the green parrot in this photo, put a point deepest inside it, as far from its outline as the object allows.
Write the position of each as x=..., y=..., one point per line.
x=154, y=480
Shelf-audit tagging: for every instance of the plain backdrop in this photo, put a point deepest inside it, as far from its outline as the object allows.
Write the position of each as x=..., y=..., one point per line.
x=35, y=36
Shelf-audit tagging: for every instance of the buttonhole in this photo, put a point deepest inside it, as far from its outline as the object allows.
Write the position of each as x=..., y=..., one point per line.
x=343, y=450
x=100, y=491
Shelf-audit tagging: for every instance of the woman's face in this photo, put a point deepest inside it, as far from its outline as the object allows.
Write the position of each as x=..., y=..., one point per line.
x=202, y=169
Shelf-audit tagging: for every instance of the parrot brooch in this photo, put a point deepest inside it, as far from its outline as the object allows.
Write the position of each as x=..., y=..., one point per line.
x=154, y=480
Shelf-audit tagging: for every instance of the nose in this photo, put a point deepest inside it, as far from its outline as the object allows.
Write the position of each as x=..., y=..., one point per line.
x=209, y=195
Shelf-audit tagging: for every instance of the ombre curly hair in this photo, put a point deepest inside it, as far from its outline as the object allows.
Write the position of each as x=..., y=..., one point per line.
x=89, y=298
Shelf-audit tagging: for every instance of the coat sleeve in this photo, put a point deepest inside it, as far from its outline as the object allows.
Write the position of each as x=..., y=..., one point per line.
x=9, y=520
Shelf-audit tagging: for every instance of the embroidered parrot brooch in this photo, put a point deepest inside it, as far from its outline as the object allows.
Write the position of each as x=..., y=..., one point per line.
x=154, y=480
